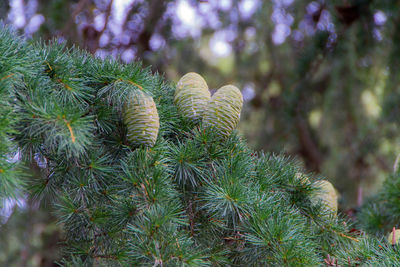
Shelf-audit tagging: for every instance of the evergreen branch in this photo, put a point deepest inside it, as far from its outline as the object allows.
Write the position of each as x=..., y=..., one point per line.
x=193, y=199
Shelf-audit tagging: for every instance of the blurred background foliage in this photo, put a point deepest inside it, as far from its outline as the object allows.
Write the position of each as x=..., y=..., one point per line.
x=320, y=79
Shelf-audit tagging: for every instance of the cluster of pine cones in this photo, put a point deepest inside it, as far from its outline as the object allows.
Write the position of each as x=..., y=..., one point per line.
x=220, y=112
x=194, y=102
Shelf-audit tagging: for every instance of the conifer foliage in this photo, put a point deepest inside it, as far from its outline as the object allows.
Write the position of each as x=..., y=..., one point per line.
x=192, y=199
x=381, y=213
x=14, y=64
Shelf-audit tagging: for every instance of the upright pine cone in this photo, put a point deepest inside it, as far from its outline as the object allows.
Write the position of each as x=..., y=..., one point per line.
x=191, y=96
x=394, y=237
x=223, y=110
x=141, y=118
x=327, y=195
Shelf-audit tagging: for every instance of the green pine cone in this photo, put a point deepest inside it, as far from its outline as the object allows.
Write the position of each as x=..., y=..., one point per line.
x=327, y=195
x=141, y=119
x=191, y=96
x=223, y=110
x=396, y=233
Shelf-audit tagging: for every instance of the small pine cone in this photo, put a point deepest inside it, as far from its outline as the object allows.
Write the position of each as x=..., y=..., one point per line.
x=141, y=119
x=327, y=195
x=396, y=234
x=223, y=110
x=191, y=96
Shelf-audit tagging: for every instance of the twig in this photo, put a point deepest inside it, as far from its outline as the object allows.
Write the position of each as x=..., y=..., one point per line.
x=70, y=130
x=330, y=229
x=64, y=84
x=346, y=236
x=8, y=76
x=133, y=83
